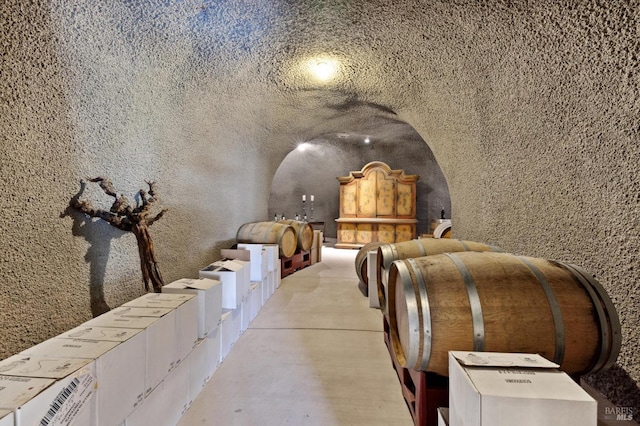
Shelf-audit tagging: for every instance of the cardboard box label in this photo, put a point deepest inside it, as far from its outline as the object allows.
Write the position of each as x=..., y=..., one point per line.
x=43, y=367
x=101, y=333
x=133, y=311
x=119, y=321
x=71, y=400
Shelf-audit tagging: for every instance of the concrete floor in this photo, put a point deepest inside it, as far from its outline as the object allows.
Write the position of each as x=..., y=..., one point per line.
x=314, y=355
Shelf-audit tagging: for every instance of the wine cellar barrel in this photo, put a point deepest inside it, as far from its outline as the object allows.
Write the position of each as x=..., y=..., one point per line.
x=499, y=302
x=304, y=233
x=387, y=253
x=443, y=230
x=361, y=261
x=269, y=233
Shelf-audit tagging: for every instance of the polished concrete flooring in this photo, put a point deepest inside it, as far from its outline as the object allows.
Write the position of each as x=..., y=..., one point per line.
x=314, y=355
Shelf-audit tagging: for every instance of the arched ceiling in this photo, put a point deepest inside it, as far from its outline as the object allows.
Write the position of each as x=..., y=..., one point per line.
x=250, y=59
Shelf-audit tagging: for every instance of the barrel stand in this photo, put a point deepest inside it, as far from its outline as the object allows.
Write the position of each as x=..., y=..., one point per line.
x=423, y=392
x=301, y=259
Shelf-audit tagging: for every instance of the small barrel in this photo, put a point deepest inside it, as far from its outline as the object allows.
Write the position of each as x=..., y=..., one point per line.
x=269, y=233
x=304, y=231
x=417, y=248
x=361, y=263
x=499, y=302
x=443, y=230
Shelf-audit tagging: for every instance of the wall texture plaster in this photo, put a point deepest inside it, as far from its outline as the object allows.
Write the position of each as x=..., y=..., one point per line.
x=529, y=108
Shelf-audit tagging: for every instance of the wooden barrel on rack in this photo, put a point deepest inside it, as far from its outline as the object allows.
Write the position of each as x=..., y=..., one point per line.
x=361, y=264
x=304, y=231
x=499, y=302
x=269, y=233
x=387, y=253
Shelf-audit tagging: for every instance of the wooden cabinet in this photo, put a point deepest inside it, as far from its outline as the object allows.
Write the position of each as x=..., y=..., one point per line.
x=376, y=204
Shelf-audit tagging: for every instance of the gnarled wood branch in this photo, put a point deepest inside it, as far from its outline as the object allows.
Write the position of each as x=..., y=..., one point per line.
x=128, y=218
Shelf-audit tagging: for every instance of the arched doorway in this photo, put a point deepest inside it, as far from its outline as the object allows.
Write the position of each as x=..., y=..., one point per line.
x=312, y=168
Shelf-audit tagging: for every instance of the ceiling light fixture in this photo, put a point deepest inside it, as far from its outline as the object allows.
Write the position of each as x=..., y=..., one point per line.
x=367, y=140
x=323, y=69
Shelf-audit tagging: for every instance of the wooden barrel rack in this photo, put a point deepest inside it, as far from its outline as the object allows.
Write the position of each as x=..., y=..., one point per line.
x=300, y=260
x=423, y=392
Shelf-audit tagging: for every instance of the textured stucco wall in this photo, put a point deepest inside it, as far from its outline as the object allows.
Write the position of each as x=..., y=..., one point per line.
x=530, y=108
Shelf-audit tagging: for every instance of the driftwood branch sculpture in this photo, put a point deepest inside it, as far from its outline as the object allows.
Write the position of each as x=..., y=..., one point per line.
x=128, y=218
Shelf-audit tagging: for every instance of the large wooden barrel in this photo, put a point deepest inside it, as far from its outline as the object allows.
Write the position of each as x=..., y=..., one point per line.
x=269, y=233
x=304, y=231
x=499, y=302
x=387, y=253
x=361, y=265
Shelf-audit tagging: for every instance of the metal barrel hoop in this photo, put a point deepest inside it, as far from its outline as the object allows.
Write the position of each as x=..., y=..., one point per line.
x=554, y=306
x=410, y=358
x=609, y=321
x=474, y=302
x=425, y=315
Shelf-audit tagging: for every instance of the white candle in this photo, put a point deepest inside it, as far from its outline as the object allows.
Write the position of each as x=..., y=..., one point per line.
x=304, y=198
x=312, y=198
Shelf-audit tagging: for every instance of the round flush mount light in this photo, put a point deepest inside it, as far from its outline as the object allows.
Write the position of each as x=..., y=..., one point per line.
x=323, y=69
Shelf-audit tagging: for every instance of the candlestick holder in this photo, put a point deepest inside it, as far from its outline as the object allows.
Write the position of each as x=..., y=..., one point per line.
x=304, y=210
x=311, y=216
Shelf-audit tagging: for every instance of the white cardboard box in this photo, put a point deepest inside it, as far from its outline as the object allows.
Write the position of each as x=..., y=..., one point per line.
x=506, y=389
x=229, y=330
x=161, y=337
x=186, y=306
x=273, y=256
x=198, y=369
x=278, y=275
x=272, y=282
x=246, y=278
x=7, y=417
x=63, y=400
x=176, y=390
x=151, y=411
x=213, y=342
x=443, y=416
x=125, y=363
x=266, y=290
x=255, y=294
x=244, y=273
x=245, y=317
x=209, y=293
x=16, y=391
x=232, y=274
x=374, y=301
x=259, y=260
x=166, y=403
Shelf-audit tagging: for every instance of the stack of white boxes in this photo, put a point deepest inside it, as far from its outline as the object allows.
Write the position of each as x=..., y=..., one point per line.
x=505, y=389
x=234, y=274
x=145, y=360
x=259, y=269
x=205, y=357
